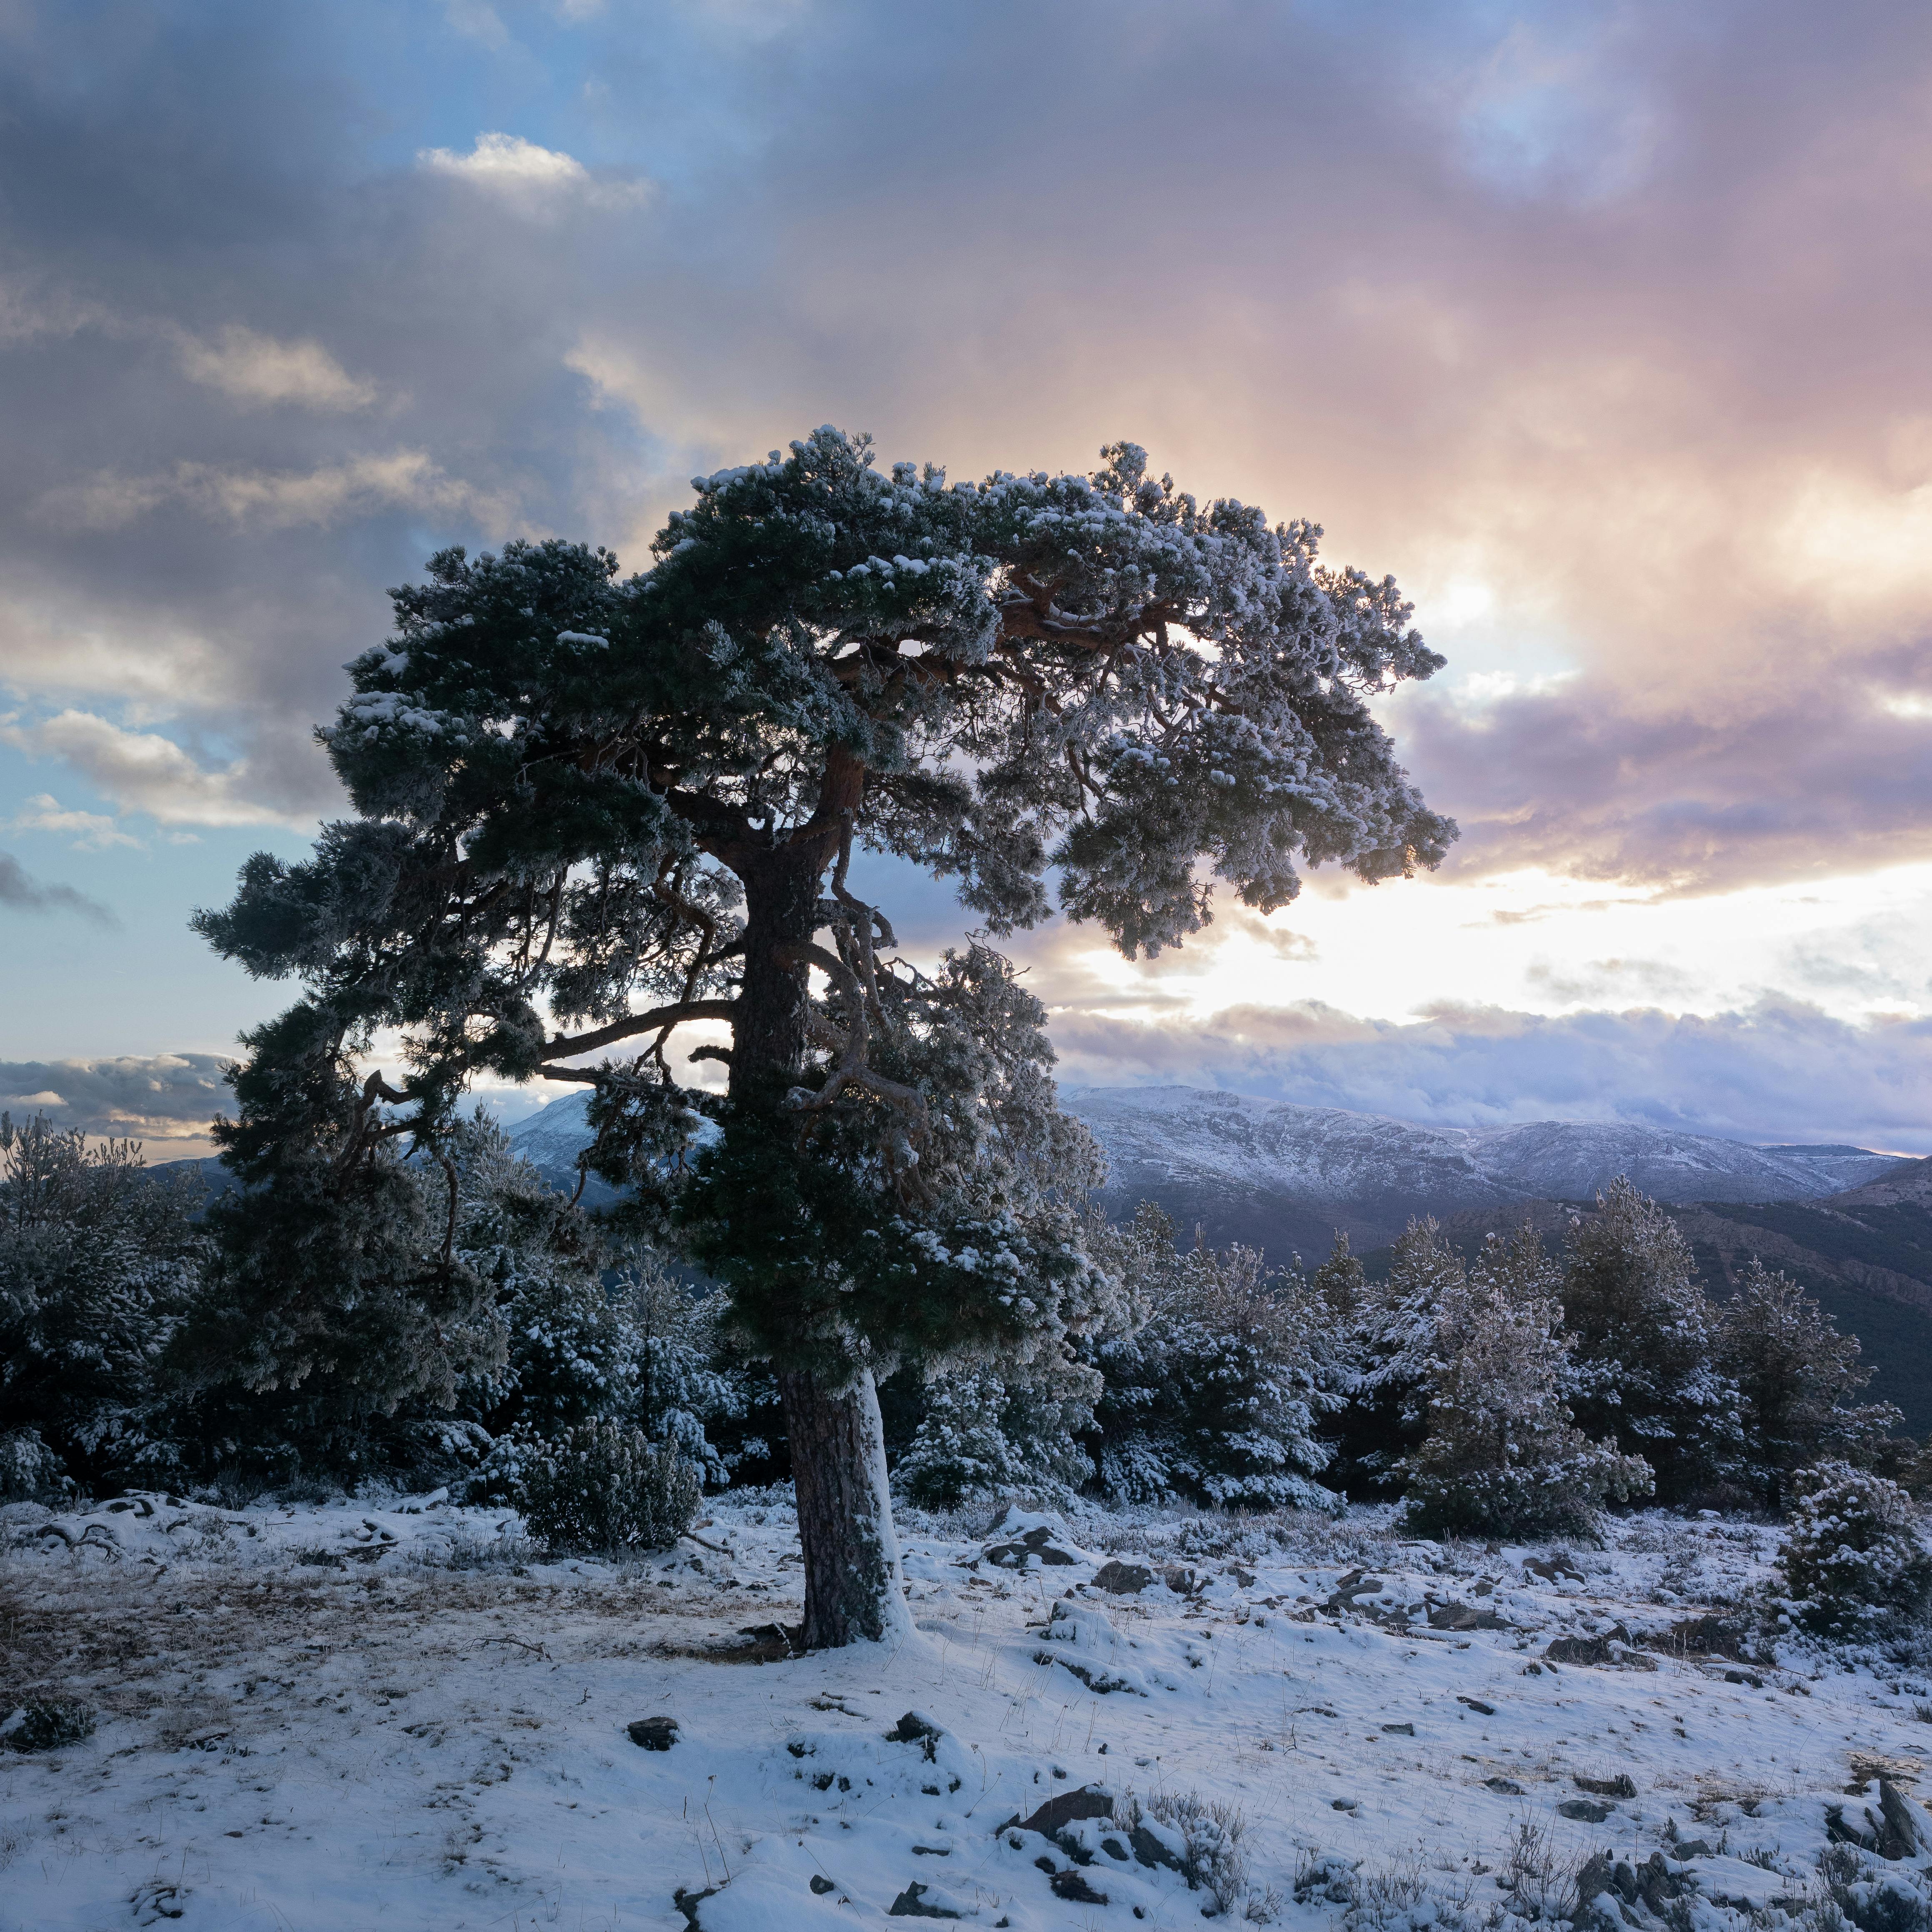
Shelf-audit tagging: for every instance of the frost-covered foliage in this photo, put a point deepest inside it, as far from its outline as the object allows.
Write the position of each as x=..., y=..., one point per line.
x=1798, y=1381
x=98, y=1261
x=1385, y=1346
x=586, y=1332
x=972, y=1255
x=966, y=1441
x=600, y=1486
x=1213, y=1392
x=1855, y=1560
x=1644, y=1372
x=1502, y=1457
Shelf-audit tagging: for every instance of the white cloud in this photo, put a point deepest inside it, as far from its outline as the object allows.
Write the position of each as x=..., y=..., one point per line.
x=406, y=478
x=535, y=181
x=256, y=368
x=478, y=20
x=141, y=771
x=88, y=831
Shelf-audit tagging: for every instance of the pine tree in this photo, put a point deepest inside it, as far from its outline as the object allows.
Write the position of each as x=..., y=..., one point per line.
x=98, y=1261
x=1211, y=1392
x=1383, y=1349
x=1502, y=1457
x=1645, y=1369
x=1798, y=1380
x=591, y=812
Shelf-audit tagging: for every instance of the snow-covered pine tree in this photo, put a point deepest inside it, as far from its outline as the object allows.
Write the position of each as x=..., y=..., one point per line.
x=1383, y=1344
x=98, y=1261
x=1798, y=1381
x=1212, y=1394
x=1502, y=1457
x=593, y=812
x=1645, y=1370
x=587, y=1333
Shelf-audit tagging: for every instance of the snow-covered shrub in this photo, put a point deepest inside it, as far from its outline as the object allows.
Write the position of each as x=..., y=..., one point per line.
x=960, y=1446
x=1853, y=1560
x=1644, y=1369
x=97, y=1261
x=585, y=1335
x=1199, y=1837
x=1798, y=1381
x=1384, y=1339
x=602, y=1487
x=1213, y=1396
x=1502, y=1457
x=29, y=1469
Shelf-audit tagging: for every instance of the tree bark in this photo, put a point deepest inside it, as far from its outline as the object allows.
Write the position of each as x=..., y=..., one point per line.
x=853, y=1590
x=768, y=1035
x=852, y=1587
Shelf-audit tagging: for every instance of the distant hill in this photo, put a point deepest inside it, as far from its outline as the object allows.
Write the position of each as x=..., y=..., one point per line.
x=1285, y=1178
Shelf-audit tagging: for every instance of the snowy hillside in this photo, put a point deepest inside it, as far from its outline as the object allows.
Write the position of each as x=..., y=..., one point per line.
x=1284, y=1176
x=397, y=1713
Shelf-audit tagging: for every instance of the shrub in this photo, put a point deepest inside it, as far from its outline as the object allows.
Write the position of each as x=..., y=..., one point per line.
x=603, y=1487
x=1503, y=1457
x=1853, y=1561
x=49, y=1725
x=1212, y=1396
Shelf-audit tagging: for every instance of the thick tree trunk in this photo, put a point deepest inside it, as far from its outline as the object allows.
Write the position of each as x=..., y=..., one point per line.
x=853, y=1589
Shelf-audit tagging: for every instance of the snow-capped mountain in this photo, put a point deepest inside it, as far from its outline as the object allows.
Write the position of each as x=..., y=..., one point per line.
x=1282, y=1177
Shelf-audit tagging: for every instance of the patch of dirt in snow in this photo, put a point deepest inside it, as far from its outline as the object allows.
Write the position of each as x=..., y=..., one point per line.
x=341, y=1716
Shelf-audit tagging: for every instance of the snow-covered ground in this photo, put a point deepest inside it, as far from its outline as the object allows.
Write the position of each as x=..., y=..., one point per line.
x=351, y=1715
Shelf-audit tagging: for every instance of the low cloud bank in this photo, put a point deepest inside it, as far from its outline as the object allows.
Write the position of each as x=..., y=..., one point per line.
x=162, y=1096
x=1775, y=1073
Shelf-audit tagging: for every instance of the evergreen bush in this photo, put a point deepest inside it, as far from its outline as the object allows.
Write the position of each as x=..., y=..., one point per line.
x=1503, y=1457
x=601, y=1487
x=1213, y=1395
x=1854, y=1560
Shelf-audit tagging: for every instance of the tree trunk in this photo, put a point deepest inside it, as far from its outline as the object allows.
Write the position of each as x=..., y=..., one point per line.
x=853, y=1589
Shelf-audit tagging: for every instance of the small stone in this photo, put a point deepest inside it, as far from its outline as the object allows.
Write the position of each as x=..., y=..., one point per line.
x=1504, y=1787
x=1343, y=1803
x=653, y=1733
x=1071, y=1885
x=1618, y=1786
x=1585, y=1810
x=1058, y=1812
x=911, y=1903
x=1123, y=1579
x=1477, y=1705
x=1401, y=1730
x=821, y=1884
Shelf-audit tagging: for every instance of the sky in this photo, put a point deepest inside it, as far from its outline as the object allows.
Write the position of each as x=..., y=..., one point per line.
x=1601, y=327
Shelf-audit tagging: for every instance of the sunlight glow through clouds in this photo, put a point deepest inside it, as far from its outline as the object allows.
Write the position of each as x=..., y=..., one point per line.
x=1536, y=943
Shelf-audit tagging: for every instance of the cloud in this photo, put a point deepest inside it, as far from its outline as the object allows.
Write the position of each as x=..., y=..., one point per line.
x=160, y=1096
x=141, y=771
x=365, y=485
x=22, y=892
x=1814, y=775
x=1779, y=1071
x=533, y=180
x=86, y=831
x=256, y=368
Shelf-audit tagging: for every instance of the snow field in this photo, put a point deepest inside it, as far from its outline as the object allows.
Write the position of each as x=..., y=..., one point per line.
x=343, y=1715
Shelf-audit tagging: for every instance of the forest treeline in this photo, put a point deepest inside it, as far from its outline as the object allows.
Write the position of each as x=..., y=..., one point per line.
x=1517, y=1393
